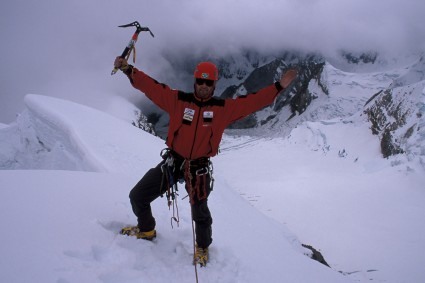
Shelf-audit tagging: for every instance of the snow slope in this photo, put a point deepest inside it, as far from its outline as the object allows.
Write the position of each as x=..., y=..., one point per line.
x=61, y=224
x=329, y=185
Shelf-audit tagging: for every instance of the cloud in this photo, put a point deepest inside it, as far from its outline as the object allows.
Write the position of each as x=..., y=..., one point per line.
x=66, y=48
x=325, y=25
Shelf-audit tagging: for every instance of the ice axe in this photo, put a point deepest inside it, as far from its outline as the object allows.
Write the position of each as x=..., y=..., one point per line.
x=130, y=46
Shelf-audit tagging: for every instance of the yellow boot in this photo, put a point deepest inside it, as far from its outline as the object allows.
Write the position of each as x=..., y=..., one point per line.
x=201, y=256
x=135, y=232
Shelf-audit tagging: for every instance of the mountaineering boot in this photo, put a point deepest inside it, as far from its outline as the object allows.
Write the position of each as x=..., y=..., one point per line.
x=201, y=256
x=135, y=232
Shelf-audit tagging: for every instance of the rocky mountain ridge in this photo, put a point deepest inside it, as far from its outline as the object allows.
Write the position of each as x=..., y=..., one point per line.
x=397, y=114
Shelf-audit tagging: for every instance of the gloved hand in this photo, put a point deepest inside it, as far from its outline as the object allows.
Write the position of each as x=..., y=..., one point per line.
x=121, y=63
x=288, y=77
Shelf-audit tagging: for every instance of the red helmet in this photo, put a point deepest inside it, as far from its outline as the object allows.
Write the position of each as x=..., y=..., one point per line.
x=207, y=71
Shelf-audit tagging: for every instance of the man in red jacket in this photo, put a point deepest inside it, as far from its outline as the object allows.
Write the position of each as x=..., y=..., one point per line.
x=197, y=123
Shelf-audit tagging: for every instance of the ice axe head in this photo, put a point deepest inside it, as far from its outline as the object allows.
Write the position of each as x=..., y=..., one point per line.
x=130, y=47
x=139, y=28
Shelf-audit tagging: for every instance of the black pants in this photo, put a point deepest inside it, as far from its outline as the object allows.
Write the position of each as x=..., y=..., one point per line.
x=149, y=188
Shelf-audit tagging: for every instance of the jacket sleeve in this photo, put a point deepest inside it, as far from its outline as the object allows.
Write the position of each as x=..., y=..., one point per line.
x=160, y=94
x=242, y=106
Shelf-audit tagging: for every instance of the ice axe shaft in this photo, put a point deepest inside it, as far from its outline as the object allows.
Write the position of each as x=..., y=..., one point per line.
x=132, y=42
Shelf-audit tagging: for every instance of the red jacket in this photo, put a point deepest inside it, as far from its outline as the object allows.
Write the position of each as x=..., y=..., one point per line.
x=196, y=127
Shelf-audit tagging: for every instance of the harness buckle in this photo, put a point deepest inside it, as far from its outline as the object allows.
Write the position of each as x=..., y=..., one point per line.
x=202, y=171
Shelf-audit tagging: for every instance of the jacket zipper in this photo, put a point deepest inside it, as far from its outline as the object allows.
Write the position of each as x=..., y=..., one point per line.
x=196, y=131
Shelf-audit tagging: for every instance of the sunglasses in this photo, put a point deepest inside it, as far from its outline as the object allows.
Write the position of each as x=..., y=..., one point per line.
x=204, y=81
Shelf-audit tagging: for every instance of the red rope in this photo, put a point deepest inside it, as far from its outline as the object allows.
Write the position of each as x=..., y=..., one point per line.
x=200, y=189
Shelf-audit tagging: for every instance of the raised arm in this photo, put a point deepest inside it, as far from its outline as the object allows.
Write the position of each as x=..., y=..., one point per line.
x=244, y=105
x=161, y=94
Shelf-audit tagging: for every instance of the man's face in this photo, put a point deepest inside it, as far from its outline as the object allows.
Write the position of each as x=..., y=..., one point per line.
x=204, y=89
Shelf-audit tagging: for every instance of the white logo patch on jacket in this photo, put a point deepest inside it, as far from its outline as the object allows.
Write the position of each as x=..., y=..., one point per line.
x=208, y=116
x=188, y=115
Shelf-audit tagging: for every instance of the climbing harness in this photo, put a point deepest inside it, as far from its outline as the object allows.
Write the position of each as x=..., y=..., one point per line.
x=196, y=173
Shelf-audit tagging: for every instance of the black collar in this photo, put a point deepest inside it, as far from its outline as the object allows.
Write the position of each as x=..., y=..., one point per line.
x=190, y=97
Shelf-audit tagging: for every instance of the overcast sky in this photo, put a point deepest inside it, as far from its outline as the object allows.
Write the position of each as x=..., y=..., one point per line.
x=66, y=48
